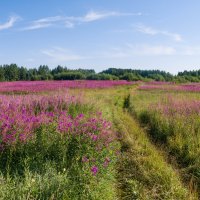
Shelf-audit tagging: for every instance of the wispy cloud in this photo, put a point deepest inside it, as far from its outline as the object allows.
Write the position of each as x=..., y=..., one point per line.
x=152, y=31
x=43, y=23
x=94, y=16
x=190, y=50
x=37, y=26
x=58, y=54
x=10, y=23
x=130, y=50
x=153, y=50
x=71, y=21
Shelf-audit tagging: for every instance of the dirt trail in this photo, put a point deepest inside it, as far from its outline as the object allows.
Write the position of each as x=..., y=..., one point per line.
x=142, y=170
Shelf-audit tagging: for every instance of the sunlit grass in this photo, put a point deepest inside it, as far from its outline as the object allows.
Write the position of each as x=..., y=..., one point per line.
x=173, y=124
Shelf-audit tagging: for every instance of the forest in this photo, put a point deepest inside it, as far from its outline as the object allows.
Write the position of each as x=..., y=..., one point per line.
x=13, y=72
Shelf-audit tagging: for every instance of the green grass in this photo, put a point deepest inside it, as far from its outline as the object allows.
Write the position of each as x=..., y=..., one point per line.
x=44, y=170
x=141, y=100
x=142, y=172
x=179, y=134
x=50, y=166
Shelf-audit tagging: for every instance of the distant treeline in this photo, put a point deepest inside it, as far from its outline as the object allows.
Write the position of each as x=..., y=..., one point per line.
x=13, y=72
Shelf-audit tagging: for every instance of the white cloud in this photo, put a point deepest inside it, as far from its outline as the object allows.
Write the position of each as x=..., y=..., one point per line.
x=94, y=16
x=151, y=31
x=43, y=23
x=58, y=54
x=71, y=21
x=37, y=26
x=147, y=30
x=129, y=50
x=190, y=50
x=153, y=50
x=10, y=23
x=49, y=19
x=175, y=36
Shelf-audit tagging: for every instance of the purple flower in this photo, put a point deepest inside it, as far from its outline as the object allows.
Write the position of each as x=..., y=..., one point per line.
x=94, y=137
x=94, y=170
x=81, y=115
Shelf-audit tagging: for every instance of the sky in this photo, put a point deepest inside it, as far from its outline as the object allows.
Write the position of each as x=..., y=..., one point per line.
x=99, y=34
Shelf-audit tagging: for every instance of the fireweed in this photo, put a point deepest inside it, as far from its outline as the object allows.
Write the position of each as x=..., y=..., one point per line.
x=171, y=106
x=177, y=117
x=38, y=86
x=190, y=87
x=43, y=128
x=174, y=122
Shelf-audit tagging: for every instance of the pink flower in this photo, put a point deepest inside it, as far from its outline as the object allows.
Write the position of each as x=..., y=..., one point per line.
x=94, y=170
x=94, y=137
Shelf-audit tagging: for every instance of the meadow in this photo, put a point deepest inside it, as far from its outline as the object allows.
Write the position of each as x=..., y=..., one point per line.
x=99, y=140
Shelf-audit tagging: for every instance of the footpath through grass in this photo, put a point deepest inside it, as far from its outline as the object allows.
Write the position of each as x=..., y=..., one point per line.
x=172, y=120
x=142, y=172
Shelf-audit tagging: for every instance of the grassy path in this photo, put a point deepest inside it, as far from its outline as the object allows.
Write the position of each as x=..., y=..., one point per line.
x=142, y=172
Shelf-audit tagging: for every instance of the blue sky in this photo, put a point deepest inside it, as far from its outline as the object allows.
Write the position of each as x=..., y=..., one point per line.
x=138, y=34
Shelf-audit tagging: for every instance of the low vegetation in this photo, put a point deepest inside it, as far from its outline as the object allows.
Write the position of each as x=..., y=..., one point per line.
x=99, y=140
x=55, y=148
x=172, y=120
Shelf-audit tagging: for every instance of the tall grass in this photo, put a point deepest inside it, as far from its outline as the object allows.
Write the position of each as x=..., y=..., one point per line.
x=173, y=121
x=55, y=148
x=142, y=172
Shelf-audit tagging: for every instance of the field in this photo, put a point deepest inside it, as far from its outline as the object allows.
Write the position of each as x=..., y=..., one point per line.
x=99, y=140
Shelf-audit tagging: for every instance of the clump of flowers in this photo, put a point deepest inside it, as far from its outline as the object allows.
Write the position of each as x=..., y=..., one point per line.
x=157, y=85
x=38, y=86
x=94, y=170
x=171, y=106
x=88, y=135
